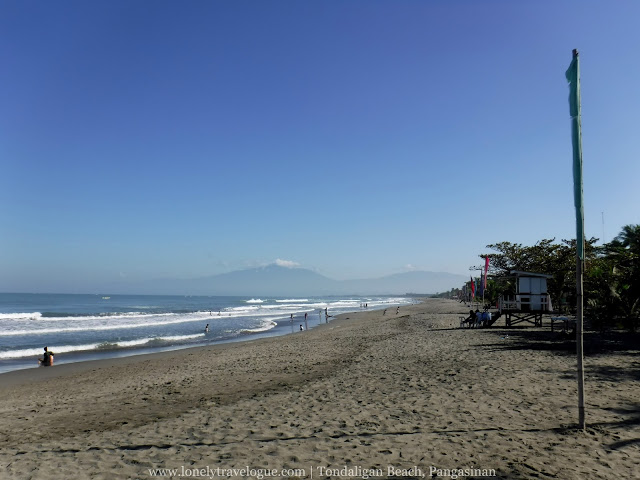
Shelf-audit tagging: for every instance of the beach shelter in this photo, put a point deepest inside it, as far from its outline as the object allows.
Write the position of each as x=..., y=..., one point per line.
x=530, y=301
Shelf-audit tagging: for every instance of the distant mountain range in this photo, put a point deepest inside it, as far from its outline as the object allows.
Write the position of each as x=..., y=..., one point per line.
x=275, y=280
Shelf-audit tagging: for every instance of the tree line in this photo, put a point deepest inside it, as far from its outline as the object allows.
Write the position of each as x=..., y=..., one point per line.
x=611, y=276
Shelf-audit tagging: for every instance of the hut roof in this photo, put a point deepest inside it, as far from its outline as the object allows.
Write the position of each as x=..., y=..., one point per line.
x=519, y=273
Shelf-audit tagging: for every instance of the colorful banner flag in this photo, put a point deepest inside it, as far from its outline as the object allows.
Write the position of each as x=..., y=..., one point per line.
x=486, y=268
x=473, y=288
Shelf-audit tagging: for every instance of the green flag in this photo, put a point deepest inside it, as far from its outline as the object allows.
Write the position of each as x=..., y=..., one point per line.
x=573, y=77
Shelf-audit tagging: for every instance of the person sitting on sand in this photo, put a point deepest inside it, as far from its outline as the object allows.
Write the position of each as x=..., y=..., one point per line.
x=478, y=318
x=471, y=319
x=47, y=360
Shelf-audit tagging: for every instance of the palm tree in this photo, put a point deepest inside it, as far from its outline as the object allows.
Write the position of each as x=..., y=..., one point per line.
x=629, y=238
x=625, y=249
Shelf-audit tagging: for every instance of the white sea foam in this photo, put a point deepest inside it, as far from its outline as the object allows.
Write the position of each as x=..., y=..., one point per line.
x=252, y=308
x=180, y=338
x=104, y=316
x=255, y=300
x=293, y=300
x=34, y=352
x=135, y=320
x=85, y=326
x=285, y=307
x=58, y=349
x=125, y=344
x=20, y=316
x=266, y=325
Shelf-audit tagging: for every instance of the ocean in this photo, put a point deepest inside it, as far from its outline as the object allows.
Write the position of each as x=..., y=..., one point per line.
x=89, y=327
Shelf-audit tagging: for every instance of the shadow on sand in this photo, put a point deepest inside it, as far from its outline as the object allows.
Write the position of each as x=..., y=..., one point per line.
x=594, y=343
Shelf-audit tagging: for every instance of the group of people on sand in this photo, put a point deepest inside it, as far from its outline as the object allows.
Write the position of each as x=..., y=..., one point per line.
x=477, y=319
x=397, y=311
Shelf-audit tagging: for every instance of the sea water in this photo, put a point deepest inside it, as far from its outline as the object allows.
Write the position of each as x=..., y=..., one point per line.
x=88, y=327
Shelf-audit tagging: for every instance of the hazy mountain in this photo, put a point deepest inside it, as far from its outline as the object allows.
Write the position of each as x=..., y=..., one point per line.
x=274, y=280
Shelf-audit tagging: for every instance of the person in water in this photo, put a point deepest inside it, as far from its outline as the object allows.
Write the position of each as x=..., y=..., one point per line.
x=206, y=329
x=47, y=359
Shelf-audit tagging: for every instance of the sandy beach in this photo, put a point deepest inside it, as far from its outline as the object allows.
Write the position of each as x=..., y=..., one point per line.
x=404, y=395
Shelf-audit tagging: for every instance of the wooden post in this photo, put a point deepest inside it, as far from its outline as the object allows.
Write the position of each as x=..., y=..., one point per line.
x=579, y=345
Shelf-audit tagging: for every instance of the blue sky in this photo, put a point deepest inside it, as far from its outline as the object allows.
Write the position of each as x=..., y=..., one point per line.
x=155, y=139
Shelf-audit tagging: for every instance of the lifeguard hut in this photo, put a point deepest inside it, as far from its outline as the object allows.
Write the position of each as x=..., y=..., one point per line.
x=530, y=302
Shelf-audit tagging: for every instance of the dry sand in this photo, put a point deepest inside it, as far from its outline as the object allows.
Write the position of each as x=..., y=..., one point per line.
x=369, y=392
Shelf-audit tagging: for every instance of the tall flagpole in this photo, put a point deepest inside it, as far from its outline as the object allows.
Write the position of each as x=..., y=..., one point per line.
x=573, y=76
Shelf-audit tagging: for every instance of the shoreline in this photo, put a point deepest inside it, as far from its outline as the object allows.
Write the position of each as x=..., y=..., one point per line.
x=281, y=328
x=366, y=391
x=27, y=375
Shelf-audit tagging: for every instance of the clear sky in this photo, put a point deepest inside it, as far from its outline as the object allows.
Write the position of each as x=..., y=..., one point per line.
x=153, y=139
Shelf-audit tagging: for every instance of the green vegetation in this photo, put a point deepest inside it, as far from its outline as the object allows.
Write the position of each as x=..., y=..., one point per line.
x=611, y=276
